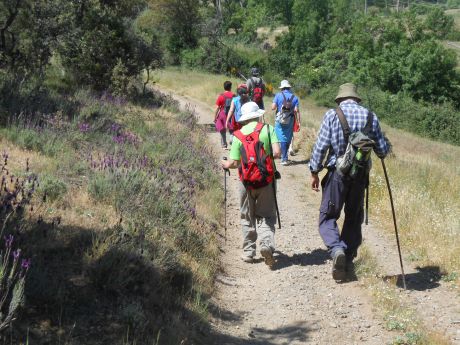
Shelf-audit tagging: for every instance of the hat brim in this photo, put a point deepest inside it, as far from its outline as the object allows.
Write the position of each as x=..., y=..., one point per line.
x=344, y=97
x=253, y=115
x=284, y=86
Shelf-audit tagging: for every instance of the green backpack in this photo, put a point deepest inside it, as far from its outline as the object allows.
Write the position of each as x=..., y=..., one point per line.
x=355, y=162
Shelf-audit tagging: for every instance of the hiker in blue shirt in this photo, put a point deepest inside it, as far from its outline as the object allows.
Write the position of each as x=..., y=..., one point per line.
x=235, y=109
x=286, y=105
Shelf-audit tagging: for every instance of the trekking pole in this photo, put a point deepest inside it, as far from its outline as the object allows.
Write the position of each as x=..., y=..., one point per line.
x=366, y=219
x=276, y=176
x=276, y=204
x=394, y=221
x=242, y=76
x=225, y=199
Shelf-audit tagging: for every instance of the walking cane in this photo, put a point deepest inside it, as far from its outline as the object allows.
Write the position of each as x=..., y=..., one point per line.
x=394, y=221
x=366, y=219
x=225, y=199
x=276, y=176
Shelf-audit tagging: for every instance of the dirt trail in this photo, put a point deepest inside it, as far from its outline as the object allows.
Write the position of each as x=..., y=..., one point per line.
x=298, y=302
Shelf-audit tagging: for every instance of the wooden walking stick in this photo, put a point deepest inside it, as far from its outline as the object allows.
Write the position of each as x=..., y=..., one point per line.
x=225, y=199
x=394, y=221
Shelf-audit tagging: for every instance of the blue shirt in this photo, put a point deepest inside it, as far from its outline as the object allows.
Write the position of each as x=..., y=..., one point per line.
x=330, y=137
x=237, y=112
x=278, y=100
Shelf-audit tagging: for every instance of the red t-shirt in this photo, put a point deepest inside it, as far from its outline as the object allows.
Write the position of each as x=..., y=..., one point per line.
x=220, y=102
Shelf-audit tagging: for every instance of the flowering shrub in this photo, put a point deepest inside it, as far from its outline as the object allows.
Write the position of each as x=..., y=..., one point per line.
x=13, y=272
x=15, y=194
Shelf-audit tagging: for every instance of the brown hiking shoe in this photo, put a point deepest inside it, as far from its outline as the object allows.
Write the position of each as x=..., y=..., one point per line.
x=339, y=263
x=267, y=254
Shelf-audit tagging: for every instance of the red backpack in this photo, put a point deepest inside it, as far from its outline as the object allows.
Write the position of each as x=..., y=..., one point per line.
x=258, y=91
x=256, y=168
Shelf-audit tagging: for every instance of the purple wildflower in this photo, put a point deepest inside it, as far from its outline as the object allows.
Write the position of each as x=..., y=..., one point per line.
x=9, y=240
x=16, y=254
x=84, y=127
x=25, y=263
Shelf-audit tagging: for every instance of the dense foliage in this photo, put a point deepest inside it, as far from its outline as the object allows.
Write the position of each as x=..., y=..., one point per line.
x=394, y=51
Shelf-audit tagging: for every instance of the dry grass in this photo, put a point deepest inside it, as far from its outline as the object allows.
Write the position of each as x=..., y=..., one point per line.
x=269, y=35
x=398, y=315
x=424, y=174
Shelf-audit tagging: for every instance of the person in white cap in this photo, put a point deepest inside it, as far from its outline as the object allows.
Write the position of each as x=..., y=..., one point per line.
x=257, y=203
x=286, y=106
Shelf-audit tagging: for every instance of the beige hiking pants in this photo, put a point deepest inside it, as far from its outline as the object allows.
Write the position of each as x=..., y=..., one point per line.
x=258, y=210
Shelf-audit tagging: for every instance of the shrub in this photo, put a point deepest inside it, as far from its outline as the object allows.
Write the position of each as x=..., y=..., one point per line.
x=51, y=188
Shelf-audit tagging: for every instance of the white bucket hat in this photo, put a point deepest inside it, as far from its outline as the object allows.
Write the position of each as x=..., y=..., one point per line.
x=284, y=84
x=249, y=111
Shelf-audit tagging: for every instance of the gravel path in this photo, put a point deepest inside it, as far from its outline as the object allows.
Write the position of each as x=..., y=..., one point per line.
x=298, y=302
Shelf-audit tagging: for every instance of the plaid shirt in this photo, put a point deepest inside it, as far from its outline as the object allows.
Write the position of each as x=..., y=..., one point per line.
x=330, y=137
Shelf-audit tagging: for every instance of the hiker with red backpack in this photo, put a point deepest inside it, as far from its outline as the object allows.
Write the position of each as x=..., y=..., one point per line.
x=286, y=106
x=256, y=87
x=253, y=149
x=348, y=134
x=235, y=109
x=223, y=104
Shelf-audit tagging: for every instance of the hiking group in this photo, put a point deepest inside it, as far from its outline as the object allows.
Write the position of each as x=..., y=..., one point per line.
x=347, y=136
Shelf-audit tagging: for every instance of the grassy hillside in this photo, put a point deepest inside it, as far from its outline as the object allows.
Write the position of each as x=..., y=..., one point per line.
x=121, y=231
x=425, y=178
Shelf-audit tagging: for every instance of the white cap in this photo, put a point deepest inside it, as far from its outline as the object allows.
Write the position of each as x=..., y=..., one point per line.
x=249, y=111
x=284, y=84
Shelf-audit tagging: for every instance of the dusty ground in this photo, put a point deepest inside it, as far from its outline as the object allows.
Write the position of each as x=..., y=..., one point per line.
x=298, y=302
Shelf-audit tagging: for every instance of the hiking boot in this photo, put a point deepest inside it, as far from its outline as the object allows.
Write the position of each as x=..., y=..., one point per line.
x=349, y=266
x=339, y=263
x=267, y=254
x=286, y=162
x=247, y=258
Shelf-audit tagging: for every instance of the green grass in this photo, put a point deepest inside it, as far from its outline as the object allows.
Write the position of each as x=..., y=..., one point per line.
x=135, y=239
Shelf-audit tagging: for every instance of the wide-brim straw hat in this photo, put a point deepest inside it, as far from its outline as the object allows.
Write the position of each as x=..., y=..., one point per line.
x=249, y=111
x=348, y=90
x=284, y=84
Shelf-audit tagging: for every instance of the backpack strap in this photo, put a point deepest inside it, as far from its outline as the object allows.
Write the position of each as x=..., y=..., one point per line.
x=239, y=135
x=343, y=121
x=284, y=97
x=370, y=119
x=259, y=127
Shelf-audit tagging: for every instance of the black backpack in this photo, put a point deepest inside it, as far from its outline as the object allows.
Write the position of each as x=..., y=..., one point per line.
x=227, y=104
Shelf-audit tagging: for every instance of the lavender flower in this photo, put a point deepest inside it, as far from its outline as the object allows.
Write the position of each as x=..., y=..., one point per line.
x=16, y=254
x=25, y=264
x=8, y=241
x=84, y=127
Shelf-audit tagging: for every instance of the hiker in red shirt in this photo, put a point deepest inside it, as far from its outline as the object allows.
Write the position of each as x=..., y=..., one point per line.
x=223, y=104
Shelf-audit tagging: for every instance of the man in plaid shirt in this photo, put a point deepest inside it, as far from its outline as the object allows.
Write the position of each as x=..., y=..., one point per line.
x=339, y=190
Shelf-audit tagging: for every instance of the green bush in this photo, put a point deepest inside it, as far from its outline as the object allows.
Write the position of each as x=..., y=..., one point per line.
x=51, y=188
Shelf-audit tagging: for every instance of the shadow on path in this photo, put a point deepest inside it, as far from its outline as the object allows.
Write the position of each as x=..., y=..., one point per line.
x=293, y=333
x=301, y=162
x=426, y=278
x=314, y=258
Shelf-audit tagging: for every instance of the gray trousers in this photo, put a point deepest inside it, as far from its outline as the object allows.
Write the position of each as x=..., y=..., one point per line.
x=338, y=193
x=258, y=218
